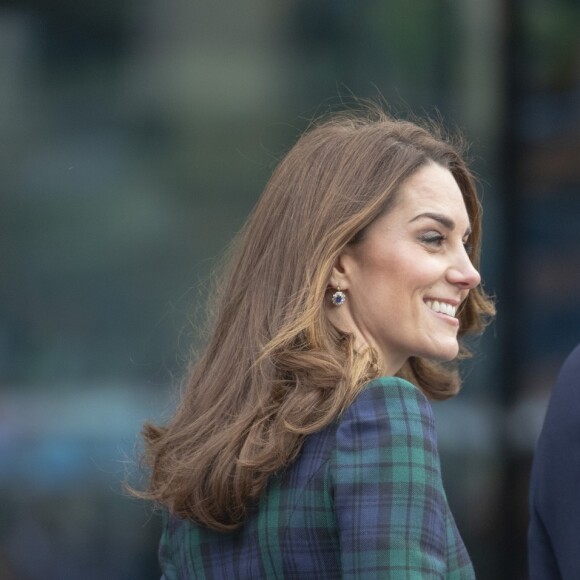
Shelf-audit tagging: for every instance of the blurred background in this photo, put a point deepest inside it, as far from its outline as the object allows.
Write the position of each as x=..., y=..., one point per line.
x=136, y=136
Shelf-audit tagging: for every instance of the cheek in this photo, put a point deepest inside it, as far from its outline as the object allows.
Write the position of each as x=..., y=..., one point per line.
x=397, y=272
x=387, y=268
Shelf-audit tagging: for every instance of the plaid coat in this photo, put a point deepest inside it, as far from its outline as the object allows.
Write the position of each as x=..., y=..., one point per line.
x=363, y=500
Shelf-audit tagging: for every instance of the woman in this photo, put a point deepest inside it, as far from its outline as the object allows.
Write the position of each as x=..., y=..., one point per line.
x=304, y=444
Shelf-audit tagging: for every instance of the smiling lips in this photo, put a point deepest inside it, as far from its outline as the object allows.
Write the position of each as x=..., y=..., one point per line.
x=442, y=307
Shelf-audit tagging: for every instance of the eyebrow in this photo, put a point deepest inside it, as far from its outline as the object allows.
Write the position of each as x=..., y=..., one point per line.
x=446, y=222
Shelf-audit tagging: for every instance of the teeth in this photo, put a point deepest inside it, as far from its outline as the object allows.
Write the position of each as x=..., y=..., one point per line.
x=442, y=307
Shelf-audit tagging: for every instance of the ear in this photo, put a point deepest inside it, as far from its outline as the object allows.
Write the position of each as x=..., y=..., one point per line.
x=340, y=273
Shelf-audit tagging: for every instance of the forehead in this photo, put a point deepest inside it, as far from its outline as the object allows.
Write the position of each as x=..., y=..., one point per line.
x=432, y=188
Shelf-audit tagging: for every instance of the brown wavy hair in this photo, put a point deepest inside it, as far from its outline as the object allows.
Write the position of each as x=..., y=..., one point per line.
x=274, y=369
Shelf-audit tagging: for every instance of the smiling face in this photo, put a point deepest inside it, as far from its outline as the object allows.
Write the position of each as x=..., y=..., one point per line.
x=406, y=278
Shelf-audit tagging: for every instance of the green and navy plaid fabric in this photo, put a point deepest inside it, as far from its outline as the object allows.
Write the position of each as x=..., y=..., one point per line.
x=364, y=500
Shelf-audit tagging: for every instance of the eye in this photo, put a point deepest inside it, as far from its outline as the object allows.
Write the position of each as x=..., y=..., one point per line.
x=468, y=246
x=434, y=239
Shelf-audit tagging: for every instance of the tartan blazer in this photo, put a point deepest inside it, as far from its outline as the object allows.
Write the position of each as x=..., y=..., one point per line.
x=364, y=499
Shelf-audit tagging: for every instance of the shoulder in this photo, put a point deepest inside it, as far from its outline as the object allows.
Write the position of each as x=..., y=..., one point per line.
x=562, y=424
x=565, y=397
x=389, y=424
x=572, y=363
x=388, y=496
x=393, y=403
x=395, y=391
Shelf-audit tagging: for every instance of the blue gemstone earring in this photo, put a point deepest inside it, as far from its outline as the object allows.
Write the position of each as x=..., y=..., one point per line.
x=339, y=297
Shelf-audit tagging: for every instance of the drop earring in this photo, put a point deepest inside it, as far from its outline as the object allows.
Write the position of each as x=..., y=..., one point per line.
x=338, y=297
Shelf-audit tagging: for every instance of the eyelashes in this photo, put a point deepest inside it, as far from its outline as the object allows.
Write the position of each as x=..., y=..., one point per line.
x=436, y=240
x=433, y=239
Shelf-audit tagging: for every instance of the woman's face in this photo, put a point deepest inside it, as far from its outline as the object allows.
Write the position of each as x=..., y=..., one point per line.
x=405, y=280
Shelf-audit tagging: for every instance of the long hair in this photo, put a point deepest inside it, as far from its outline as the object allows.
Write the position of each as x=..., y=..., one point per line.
x=274, y=369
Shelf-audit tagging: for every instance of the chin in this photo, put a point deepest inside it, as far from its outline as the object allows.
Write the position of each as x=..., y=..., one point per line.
x=450, y=355
x=444, y=353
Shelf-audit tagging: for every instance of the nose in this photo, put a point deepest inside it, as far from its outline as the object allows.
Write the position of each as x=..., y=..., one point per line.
x=463, y=273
